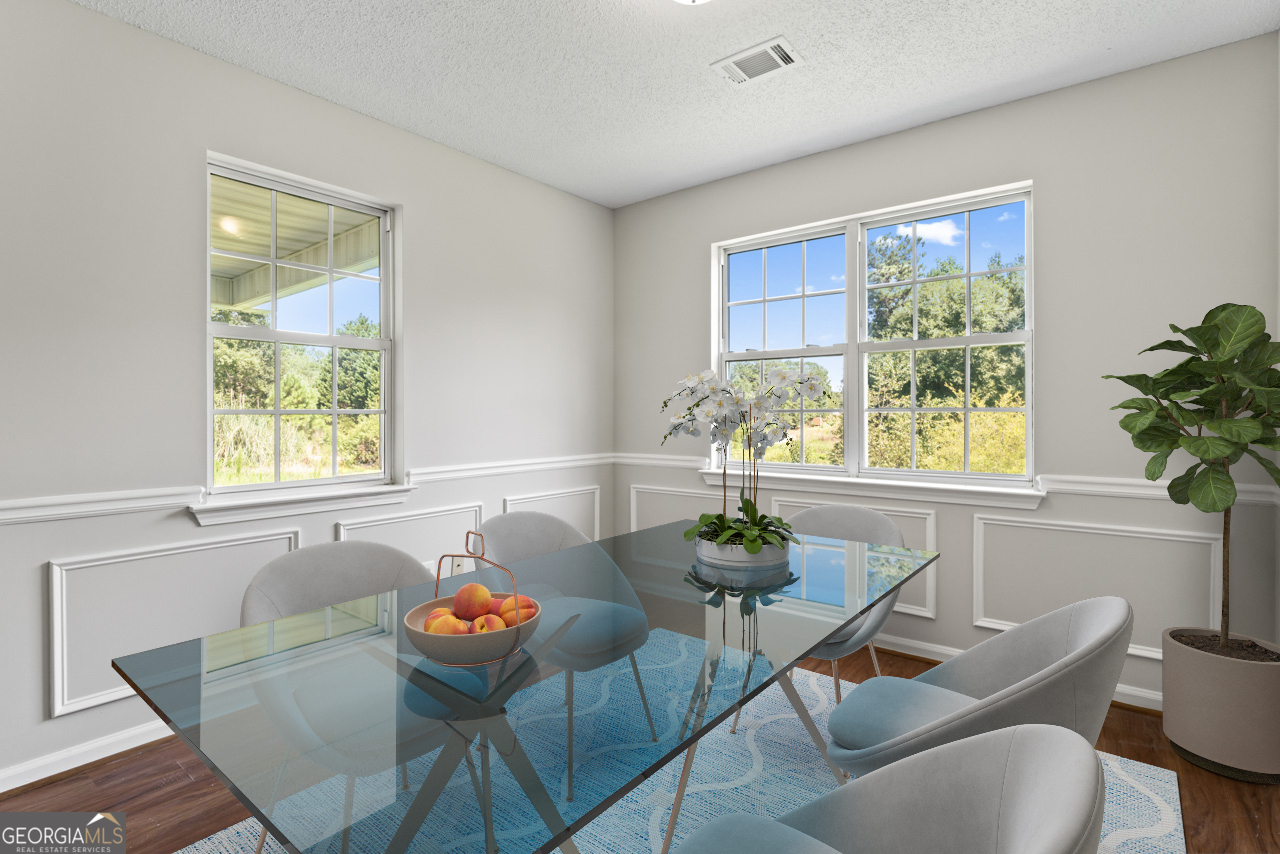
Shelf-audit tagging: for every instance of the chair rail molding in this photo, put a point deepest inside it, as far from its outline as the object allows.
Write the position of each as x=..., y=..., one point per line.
x=637, y=489
x=1136, y=487
x=980, y=523
x=62, y=701
x=50, y=508
x=930, y=517
x=230, y=507
x=432, y=474
x=929, y=491
x=511, y=502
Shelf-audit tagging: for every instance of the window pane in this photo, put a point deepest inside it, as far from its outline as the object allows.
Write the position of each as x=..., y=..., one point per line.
x=782, y=452
x=239, y=291
x=889, y=254
x=999, y=302
x=746, y=327
x=889, y=380
x=940, y=245
x=299, y=630
x=356, y=241
x=889, y=313
x=306, y=377
x=941, y=309
x=829, y=372
x=244, y=374
x=243, y=449
x=239, y=216
x=940, y=441
x=302, y=300
x=999, y=236
x=792, y=365
x=744, y=376
x=302, y=230
x=353, y=616
x=782, y=326
x=940, y=377
x=356, y=307
x=359, y=444
x=824, y=438
x=782, y=265
x=998, y=375
x=823, y=574
x=746, y=275
x=235, y=647
x=998, y=442
x=889, y=440
x=824, y=264
x=306, y=447
x=824, y=320
x=359, y=379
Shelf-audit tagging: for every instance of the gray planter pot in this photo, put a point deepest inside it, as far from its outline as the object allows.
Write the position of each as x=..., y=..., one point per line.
x=737, y=557
x=1220, y=713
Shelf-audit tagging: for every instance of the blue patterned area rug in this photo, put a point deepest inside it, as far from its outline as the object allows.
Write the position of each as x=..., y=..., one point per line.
x=768, y=767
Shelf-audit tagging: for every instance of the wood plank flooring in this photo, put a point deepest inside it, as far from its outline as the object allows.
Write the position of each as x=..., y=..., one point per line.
x=172, y=800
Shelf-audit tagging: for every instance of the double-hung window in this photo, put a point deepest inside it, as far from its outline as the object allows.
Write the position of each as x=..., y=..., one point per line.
x=299, y=334
x=939, y=337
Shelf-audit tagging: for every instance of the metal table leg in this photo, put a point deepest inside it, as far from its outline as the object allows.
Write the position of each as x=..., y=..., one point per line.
x=784, y=680
x=675, y=806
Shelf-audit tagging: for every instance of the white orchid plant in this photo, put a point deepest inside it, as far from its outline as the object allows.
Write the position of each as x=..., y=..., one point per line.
x=727, y=411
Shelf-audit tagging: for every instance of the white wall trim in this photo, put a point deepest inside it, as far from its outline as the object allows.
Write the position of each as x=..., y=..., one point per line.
x=1134, y=487
x=930, y=517
x=662, y=461
x=340, y=529
x=637, y=488
x=80, y=754
x=435, y=474
x=61, y=701
x=980, y=522
x=233, y=507
x=1020, y=498
x=78, y=506
x=594, y=491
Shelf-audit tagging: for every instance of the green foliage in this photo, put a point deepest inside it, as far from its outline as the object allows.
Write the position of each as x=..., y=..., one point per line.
x=752, y=530
x=1214, y=405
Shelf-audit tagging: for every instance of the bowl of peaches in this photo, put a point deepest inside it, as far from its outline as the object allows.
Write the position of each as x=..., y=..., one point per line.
x=473, y=626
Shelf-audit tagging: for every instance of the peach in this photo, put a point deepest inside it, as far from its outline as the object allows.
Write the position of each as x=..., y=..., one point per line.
x=495, y=606
x=509, y=615
x=487, y=623
x=446, y=625
x=509, y=604
x=435, y=615
x=471, y=601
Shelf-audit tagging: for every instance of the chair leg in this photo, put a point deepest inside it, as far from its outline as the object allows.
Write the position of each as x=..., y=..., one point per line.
x=404, y=776
x=874, y=663
x=346, y=814
x=835, y=675
x=568, y=701
x=635, y=669
x=262, y=840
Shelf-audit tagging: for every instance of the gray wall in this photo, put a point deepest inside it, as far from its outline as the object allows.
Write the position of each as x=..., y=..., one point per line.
x=1155, y=199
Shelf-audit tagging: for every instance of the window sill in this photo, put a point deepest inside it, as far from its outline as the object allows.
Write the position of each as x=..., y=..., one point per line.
x=1018, y=497
x=247, y=507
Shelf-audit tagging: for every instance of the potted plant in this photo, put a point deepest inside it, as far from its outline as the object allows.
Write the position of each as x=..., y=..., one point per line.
x=1221, y=403
x=751, y=538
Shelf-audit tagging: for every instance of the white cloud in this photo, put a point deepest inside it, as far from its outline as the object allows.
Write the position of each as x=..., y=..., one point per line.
x=1006, y=216
x=945, y=232
x=986, y=245
x=837, y=278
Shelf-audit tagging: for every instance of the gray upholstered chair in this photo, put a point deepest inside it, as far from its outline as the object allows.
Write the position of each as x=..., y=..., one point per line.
x=1030, y=789
x=611, y=622
x=325, y=714
x=1061, y=669
x=863, y=525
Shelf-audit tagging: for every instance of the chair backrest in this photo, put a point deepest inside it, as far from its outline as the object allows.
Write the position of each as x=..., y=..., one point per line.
x=524, y=534
x=1030, y=789
x=847, y=522
x=328, y=574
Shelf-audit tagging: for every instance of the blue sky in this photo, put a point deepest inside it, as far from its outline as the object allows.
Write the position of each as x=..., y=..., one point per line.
x=308, y=311
x=1001, y=228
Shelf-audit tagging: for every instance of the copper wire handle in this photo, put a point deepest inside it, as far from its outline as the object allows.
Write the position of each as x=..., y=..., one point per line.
x=515, y=641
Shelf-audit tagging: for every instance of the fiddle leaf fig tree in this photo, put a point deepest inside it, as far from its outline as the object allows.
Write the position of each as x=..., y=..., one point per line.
x=1219, y=404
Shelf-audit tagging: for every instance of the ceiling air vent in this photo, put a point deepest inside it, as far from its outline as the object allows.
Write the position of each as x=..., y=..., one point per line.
x=755, y=62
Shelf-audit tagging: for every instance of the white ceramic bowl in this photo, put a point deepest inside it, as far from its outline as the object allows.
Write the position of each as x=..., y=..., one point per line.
x=465, y=649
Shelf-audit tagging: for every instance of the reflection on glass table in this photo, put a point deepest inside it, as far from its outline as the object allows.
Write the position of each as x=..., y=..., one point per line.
x=333, y=730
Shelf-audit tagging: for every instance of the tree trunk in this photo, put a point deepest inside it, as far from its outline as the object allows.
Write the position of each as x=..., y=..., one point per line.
x=1226, y=578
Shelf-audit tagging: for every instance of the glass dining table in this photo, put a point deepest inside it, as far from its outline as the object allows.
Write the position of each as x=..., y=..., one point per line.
x=339, y=736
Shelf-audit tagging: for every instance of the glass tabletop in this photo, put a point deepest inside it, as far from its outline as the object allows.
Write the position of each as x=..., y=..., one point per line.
x=337, y=732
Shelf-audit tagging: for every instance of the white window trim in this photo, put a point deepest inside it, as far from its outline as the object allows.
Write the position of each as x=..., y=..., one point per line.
x=852, y=478
x=268, y=500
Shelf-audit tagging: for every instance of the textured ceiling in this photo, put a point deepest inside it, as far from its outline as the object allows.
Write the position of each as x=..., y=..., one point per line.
x=614, y=100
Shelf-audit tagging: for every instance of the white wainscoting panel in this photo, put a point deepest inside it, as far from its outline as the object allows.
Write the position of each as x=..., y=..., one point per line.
x=578, y=505
x=109, y=605
x=425, y=534
x=919, y=527
x=688, y=504
x=1162, y=572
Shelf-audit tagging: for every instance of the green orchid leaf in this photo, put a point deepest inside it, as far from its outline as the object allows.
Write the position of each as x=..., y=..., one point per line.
x=1207, y=447
x=773, y=538
x=693, y=532
x=1141, y=382
x=1237, y=327
x=1271, y=468
x=720, y=540
x=1213, y=490
x=1236, y=429
x=1180, y=486
x=707, y=518
x=752, y=546
x=1155, y=465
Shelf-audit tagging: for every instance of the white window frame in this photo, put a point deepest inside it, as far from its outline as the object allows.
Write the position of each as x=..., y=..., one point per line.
x=857, y=346
x=385, y=344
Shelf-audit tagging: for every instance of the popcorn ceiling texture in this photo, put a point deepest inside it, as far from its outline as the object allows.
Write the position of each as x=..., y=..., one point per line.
x=615, y=100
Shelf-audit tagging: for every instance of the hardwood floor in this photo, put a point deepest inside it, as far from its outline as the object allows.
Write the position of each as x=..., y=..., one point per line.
x=172, y=800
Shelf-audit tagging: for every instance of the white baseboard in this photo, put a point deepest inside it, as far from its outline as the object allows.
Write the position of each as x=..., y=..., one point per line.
x=80, y=754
